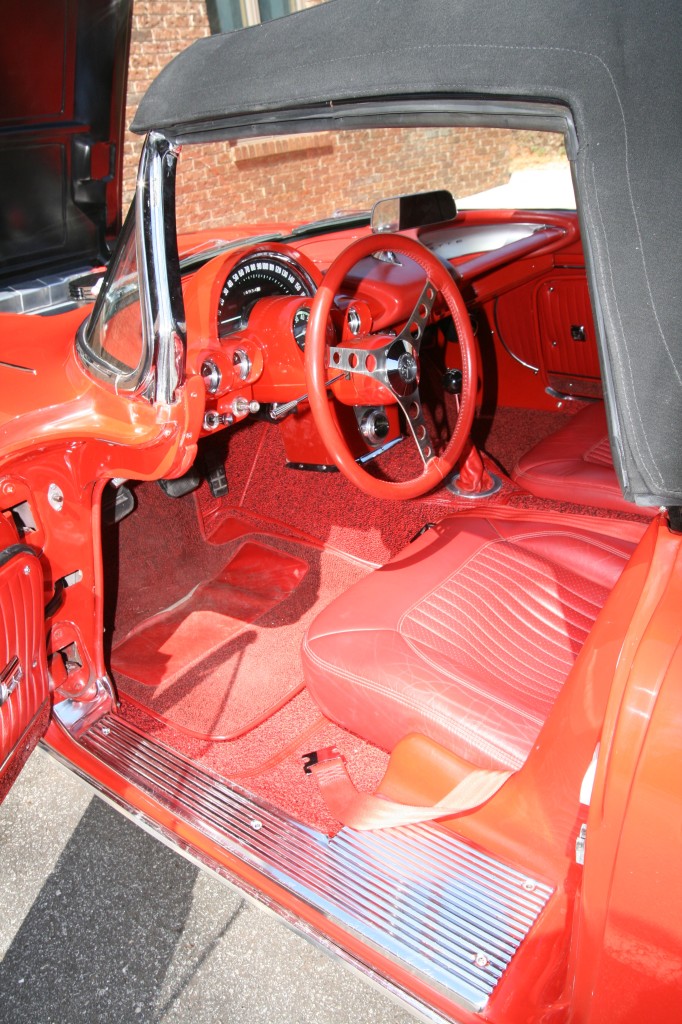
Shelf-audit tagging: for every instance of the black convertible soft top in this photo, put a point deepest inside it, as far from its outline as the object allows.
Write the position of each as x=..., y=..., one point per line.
x=615, y=64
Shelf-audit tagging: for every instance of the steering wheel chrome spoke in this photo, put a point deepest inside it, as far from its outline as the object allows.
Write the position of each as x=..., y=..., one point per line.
x=413, y=331
x=414, y=417
x=368, y=362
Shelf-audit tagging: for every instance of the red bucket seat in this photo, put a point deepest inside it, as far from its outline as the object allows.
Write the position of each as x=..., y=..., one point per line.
x=575, y=465
x=467, y=636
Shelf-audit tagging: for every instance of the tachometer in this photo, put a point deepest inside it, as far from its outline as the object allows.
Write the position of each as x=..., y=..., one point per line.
x=257, y=276
x=300, y=325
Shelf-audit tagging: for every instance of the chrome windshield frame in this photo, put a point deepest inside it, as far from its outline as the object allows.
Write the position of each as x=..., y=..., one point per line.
x=161, y=371
x=161, y=302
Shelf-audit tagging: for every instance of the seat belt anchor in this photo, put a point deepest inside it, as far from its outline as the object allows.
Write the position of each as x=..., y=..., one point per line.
x=319, y=756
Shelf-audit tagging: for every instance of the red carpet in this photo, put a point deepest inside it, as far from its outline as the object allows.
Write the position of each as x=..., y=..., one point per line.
x=226, y=656
x=323, y=506
x=268, y=761
x=162, y=648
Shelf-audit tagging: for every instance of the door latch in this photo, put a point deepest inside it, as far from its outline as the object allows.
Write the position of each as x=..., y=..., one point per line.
x=10, y=677
x=580, y=845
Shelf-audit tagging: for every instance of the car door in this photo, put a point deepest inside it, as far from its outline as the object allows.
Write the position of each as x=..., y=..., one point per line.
x=24, y=685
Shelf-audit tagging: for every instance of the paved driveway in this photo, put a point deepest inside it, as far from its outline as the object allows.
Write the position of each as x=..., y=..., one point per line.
x=101, y=923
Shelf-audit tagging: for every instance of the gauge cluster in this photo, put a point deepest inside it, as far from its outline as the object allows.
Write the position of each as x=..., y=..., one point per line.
x=257, y=276
x=247, y=313
x=299, y=325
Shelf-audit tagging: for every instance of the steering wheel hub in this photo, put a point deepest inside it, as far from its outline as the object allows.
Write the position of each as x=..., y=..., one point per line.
x=402, y=368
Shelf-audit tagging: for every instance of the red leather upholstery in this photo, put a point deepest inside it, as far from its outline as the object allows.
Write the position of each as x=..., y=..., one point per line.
x=466, y=637
x=575, y=464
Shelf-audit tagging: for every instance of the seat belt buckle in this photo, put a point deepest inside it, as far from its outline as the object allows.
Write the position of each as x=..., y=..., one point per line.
x=320, y=756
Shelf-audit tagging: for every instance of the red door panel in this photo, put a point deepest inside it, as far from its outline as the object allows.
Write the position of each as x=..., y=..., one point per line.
x=24, y=691
x=566, y=327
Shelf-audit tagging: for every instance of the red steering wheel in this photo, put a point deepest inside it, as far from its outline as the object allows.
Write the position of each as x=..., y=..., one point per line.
x=392, y=361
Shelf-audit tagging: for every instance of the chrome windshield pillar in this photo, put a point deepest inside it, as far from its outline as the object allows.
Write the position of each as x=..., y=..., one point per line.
x=162, y=307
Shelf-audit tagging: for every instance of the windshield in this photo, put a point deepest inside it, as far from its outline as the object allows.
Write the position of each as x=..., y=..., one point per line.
x=112, y=341
x=269, y=187
x=278, y=182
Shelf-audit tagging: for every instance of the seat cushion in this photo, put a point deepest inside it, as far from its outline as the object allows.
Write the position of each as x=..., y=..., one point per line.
x=467, y=636
x=575, y=465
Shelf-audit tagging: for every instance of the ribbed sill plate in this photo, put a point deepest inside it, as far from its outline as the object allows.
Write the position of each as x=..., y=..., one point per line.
x=417, y=893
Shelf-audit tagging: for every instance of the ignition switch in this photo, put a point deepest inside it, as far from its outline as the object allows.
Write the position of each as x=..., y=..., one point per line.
x=374, y=426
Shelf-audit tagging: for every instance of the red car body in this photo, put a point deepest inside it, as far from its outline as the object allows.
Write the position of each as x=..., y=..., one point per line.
x=596, y=871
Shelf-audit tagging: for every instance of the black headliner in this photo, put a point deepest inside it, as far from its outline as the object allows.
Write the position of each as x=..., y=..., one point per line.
x=614, y=63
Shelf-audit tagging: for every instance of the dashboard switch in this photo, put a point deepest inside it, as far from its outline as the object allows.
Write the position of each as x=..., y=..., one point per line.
x=242, y=406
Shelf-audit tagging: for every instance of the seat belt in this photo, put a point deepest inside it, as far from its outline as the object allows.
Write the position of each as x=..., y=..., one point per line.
x=366, y=811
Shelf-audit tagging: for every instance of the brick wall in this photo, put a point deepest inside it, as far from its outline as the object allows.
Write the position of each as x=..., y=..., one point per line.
x=311, y=176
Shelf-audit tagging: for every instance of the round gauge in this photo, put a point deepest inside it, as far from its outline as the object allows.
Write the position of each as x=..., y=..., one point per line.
x=257, y=276
x=299, y=326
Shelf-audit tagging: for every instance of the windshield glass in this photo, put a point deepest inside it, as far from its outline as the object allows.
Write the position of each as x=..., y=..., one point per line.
x=113, y=342
x=278, y=182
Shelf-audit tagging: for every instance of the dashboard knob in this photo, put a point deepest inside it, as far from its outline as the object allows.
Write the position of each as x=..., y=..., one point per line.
x=242, y=406
x=452, y=382
x=241, y=363
x=212, y=376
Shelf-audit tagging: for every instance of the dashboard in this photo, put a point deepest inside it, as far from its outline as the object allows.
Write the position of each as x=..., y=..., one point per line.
x=248, y=308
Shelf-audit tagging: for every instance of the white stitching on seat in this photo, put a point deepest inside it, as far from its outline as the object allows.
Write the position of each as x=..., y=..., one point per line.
x=450, y=725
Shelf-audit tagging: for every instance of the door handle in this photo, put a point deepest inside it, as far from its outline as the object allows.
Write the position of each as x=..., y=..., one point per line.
x=10, y=677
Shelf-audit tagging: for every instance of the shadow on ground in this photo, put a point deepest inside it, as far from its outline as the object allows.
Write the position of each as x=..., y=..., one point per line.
x=99, y=939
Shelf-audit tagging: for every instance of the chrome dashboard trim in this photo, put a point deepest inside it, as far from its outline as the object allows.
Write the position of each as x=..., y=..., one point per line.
x=518, y=359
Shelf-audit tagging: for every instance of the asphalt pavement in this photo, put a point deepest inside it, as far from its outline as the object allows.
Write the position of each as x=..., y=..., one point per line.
x=101, y=923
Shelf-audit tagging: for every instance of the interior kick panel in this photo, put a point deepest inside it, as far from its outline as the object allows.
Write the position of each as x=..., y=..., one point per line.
x=24, y=693
x=567, y=335
x=546, y=324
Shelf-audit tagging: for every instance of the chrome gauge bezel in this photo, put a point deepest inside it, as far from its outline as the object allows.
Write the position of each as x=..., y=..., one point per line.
x=275, y=268
x=301, y=316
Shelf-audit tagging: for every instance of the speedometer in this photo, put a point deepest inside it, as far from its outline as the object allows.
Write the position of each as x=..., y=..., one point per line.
x=258, y=276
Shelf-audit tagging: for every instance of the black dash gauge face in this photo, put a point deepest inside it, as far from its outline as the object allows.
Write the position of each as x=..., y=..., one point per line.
x=257, y=277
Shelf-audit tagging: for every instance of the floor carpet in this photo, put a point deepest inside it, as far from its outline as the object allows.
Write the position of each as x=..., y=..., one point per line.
x=224, y=659
x=325, y=506
x=207, y=636
x=235, y=704
x=268, y=760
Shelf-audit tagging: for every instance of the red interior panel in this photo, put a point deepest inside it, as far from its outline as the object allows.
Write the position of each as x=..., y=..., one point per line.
x=566, y=326
x=24, y=689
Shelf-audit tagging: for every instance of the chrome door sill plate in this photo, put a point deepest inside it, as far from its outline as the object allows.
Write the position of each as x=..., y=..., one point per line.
x=418, y=894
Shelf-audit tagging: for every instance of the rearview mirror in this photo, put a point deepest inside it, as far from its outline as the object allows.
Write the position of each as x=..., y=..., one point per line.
x=415, y=210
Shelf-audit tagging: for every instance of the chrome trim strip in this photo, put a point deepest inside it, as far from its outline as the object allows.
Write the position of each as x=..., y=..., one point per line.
x=195, y=856
x=161, y=302
x=450, y=913
x=17, y=366
x=503, y=343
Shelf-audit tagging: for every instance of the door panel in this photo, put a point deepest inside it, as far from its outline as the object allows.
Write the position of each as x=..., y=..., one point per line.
x=566, y=327
x=545, y=323
x=24, y=689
